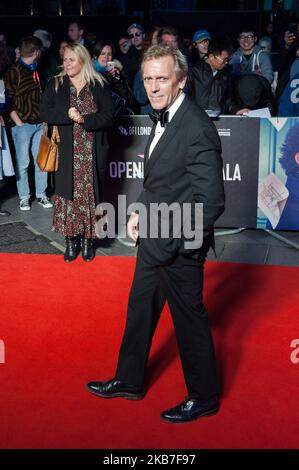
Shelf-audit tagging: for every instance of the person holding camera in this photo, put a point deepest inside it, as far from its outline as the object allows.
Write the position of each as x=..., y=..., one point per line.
x=105, y=63
x=287, y=54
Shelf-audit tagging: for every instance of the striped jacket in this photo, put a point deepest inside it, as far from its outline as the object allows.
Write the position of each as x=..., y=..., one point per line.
x=24, y=93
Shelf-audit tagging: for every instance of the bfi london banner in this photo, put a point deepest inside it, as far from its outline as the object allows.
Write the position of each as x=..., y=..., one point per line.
x=125, y=167
x=261, y=168
x=240, y=144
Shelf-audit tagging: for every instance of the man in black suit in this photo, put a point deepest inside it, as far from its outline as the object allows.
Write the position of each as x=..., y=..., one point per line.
x=183, y=167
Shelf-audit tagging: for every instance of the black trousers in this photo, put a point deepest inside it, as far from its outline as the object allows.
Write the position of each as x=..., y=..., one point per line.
x=181, y=285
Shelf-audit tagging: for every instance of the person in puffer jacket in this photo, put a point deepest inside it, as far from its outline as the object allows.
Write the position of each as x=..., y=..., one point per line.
x=250, y=58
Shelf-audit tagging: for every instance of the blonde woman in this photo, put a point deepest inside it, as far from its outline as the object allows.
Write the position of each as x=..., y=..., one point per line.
x=80, y=103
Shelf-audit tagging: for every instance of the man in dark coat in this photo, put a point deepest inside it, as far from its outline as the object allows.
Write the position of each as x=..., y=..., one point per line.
x=209, y=78
x=183, y=169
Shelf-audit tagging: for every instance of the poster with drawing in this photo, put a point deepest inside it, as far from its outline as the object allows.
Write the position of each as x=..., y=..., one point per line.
x=278, y=191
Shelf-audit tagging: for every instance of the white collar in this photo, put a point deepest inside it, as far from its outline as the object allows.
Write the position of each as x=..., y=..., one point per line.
x=175, y=106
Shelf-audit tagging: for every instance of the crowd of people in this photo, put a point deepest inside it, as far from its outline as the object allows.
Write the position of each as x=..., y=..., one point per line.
x=89, y=81
x=181, y=84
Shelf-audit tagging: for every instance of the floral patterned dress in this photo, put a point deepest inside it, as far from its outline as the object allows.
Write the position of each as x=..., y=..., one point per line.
x=77, y=217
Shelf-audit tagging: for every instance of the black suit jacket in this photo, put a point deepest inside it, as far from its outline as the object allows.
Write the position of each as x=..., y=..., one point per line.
x=184, y=167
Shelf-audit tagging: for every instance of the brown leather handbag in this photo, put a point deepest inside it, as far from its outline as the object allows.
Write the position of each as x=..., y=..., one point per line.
x=47, y=157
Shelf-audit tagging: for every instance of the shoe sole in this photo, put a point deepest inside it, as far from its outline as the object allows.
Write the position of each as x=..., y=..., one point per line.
x=128, y=396
x=178, y=421
x=71, y=260
x=25, y=209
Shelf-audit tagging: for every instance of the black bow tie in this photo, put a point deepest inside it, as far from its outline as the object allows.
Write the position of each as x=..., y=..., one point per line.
x=159, y=116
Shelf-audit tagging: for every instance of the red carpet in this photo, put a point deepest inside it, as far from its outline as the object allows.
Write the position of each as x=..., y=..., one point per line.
x=62, y=324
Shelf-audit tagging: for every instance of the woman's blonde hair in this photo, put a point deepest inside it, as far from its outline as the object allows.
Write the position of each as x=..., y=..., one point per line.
x=88, y=73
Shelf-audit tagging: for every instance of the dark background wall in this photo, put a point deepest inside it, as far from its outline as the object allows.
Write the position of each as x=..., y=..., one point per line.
x=110, y=26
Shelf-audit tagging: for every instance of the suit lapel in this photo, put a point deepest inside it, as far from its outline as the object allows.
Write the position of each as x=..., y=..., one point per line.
x=150, y=139
x=168, y=135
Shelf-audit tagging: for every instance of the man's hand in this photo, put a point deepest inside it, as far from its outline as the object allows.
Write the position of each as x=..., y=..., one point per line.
x=132, y=226
x=101, y=225
x=72, y=112
x=114, y=72
x=289, y=39
x=242, y=111
x=14, y=116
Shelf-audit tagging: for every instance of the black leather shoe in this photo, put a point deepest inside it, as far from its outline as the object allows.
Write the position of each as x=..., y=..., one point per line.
x=71, y=250
x=115, y=388
x=87, y=249
x=4, y=213
x=191, y=409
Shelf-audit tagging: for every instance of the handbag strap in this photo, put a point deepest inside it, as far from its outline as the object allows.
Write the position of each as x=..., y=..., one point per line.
x=45, y=129
x=55, y=137
x=55, y=134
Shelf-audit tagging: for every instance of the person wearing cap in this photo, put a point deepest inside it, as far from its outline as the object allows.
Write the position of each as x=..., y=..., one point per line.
x=131, y=61
x=136, y=35
x=201, y=40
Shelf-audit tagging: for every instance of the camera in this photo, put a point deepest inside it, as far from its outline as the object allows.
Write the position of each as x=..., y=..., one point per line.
x=293, y=28
x=110, y=64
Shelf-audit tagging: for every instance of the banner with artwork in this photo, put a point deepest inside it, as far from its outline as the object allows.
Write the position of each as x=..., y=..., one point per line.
x=278, y=191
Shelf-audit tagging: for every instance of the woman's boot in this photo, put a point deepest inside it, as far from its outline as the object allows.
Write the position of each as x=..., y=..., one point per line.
x=87, y=249
x=71, y=250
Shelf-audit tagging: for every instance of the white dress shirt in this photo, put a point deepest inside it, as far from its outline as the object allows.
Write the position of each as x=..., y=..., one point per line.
x=159, y=129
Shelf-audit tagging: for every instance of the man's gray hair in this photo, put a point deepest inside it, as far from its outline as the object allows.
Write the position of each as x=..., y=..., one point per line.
x=159, y=50
x=44, y=36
